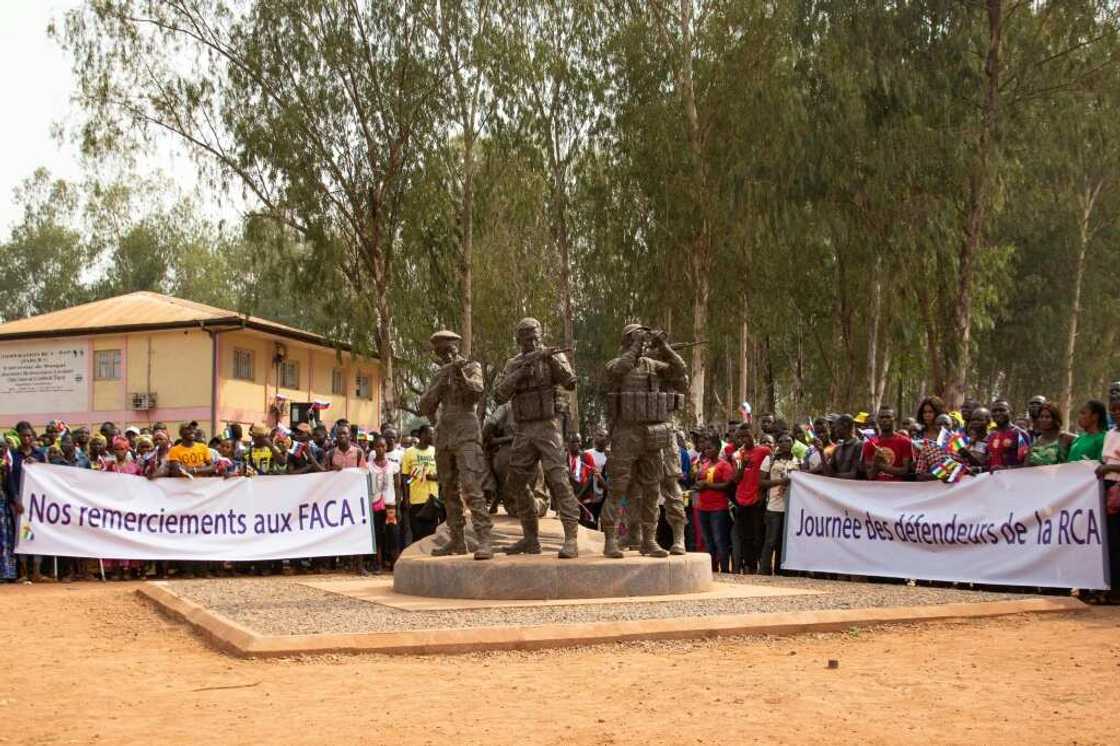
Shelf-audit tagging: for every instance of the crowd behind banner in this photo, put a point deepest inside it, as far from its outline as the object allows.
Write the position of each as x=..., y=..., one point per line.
x=736, y=476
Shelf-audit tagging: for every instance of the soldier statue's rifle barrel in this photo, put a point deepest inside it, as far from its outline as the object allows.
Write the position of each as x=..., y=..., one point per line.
x=686, y=345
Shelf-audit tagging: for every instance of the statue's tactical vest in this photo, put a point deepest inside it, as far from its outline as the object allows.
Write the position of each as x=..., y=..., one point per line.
x=640, y=399
x=535, y=397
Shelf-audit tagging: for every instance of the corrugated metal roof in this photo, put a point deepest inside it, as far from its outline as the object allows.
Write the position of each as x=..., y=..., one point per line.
x=142, y=311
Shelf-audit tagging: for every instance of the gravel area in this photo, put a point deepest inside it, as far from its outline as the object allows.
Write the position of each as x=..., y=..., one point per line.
x=281, y=606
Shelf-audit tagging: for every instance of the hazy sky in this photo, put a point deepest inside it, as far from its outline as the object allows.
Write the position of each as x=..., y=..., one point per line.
x=38, y=86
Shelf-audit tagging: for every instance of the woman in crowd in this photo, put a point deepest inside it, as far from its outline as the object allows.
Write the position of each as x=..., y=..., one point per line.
x=28, y=452
x=928, y=411
x=383, y=502
x=1109, y=473
x=1093, y=421
x=715, y=477
x=122, y=464
x=930, y=450
x=975, y=453
x=97, y=452
x=9, y=569
x=1051, y=445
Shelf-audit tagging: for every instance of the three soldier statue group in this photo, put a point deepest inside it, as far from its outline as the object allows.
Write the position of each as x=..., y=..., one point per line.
x=648, y=382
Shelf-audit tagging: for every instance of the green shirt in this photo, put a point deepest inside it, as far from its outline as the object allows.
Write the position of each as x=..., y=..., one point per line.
x=1087, y=447
x=1044, y=454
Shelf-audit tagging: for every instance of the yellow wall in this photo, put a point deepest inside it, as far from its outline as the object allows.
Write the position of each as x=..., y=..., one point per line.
x=109, y=395
x=180, y=367
x=180, y=376
x=247, y=402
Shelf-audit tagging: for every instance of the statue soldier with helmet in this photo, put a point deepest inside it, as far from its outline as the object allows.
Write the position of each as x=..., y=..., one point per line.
x=647, y=385
x=533, y=383
x=451, y=403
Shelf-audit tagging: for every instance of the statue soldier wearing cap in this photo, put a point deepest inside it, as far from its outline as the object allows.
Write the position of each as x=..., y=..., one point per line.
x=532, y=383
x=451, y=403
x=647, y=385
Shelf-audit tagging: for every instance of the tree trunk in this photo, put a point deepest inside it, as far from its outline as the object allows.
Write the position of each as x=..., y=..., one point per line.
x=701, y=291
x=560, y=232
x=466, y=329
x=978, y=186
x=744, y=358
x=1088, y=202
x=873, y=335
x=389, y=411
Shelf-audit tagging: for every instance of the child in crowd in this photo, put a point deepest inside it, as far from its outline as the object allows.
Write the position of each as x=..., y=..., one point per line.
x=775, y=479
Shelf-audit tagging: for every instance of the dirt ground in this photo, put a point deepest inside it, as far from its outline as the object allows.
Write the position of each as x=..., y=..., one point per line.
x=92, y=663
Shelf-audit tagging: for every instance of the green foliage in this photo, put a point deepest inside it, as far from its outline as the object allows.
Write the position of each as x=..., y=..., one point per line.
x=839, y=175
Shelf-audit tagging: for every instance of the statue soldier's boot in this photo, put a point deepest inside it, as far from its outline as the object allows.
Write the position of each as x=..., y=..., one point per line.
x=483, y=551
x=678, y=540
x=530, y=542
x=633, y=538
x=650, y=547
x=457, y=545
x=610, y=544
x=570, y=550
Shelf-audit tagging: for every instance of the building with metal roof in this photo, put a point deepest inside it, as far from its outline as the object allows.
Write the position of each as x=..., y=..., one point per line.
x=144, y=357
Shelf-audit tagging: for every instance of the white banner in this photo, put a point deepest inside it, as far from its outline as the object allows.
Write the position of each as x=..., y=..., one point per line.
x=81, y=513
x=1042, y=526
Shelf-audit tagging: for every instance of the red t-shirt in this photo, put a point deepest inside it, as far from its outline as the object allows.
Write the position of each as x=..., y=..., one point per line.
x=746, y=493
x=720, y=471
x=898, y=444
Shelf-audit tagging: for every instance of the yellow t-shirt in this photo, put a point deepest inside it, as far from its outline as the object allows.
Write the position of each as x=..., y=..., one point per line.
x=420, y=465
x=198, y=454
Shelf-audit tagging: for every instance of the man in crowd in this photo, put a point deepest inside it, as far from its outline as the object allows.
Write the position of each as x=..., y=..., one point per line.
x=844, y=462
x=188, y=458
x=887, y=457
x=421, y=481
x=1034, y=407
x=344, y=455
x=1008, y=445
x=750, y=503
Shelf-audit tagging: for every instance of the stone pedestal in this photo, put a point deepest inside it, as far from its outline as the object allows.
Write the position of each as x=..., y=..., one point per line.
x=544, y=576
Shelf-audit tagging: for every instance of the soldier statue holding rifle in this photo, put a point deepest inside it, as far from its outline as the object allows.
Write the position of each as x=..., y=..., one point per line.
x=451, y=402
x=647, y=385
x=532, y=382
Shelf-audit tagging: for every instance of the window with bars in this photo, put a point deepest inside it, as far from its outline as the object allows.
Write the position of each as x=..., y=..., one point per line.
x=107, y=365
x=338, y=382
x=289, y=374
x=365, y=387
x=243, y=364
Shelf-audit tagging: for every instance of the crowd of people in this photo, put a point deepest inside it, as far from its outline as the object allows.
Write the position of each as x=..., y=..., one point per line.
x=735, y=477
x=154, y=453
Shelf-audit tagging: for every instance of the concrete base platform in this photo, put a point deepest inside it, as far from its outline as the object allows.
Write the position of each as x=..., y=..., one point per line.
x=543, y=576
x=242, y=641
x=380, y=591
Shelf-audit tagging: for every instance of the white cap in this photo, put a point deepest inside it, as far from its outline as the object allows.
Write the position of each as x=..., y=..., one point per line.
x=132, y=429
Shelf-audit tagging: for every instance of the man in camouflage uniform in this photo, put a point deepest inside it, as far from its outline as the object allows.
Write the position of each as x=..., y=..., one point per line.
x=532, y=383
x=451, y=401
x=647, y=384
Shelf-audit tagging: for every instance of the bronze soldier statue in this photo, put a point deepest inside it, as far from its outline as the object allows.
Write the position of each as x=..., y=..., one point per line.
x=647, y=384
x=451, y=402
x=532, y=383
x=497, y=440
